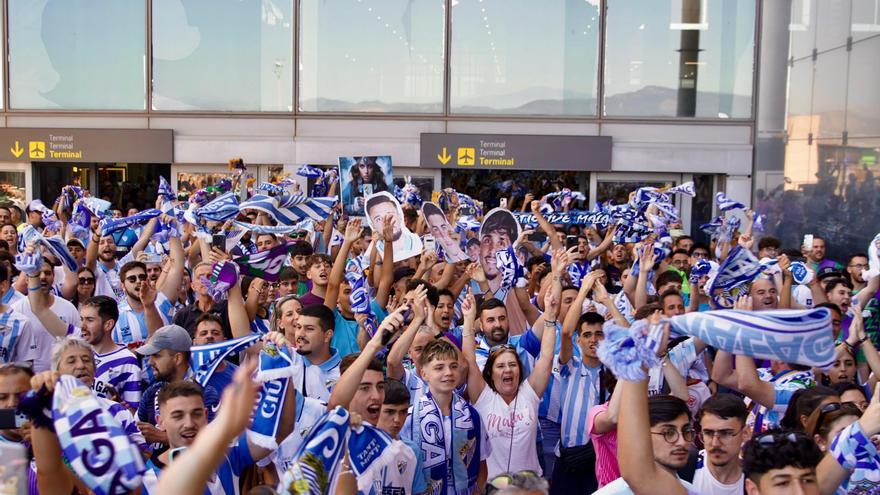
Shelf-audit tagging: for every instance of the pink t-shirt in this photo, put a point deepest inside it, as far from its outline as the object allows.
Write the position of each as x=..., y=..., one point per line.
x=605, y=445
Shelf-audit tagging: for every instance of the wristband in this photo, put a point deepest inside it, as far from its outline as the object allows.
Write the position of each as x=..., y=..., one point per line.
x=550, y=323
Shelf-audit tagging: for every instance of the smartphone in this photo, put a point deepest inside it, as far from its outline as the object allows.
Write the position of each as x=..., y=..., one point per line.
x=368, y=190
x=9, y=420
x=808, y=242
x=430, y=243
x=571, y=241
x=503, y=203
x=219, y=241
x=14, y=478
x=407, y=315
x=467, y=211
x=538, y=237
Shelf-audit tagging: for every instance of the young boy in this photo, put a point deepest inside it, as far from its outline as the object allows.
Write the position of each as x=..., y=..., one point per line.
x=444, y=425
x=318, y=274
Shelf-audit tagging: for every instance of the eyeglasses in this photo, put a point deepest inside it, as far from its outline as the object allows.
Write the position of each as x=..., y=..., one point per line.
x=502, y=347
x=723, y=435
x=700, y=255
x=134, y=278
x=863, y=266
x=826, y=409
x=86, y=280
x=671, y=435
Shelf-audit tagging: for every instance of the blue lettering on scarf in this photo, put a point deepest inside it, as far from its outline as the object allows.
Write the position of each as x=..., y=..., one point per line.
x=269, y=403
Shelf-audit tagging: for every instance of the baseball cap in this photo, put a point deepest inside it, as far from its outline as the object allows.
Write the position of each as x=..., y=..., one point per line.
x=36, y=205
x=170, y=337
x=828, y=272
x=76, y=241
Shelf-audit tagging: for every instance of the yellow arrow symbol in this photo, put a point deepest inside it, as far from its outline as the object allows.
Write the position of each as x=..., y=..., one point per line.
x=17, y=150
x=444, y=158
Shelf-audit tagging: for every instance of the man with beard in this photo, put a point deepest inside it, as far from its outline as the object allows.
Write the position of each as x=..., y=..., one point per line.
x=382, y=209
x=495, y=331
x=136, y=319
x=15, y=381
x=168, y=353
x=723, y=428
x=42, y=282
x=101, y=259
x=315, y=364
x=115, y=366
x=815, y=255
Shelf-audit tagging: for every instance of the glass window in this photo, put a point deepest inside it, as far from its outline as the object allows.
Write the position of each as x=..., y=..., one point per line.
x=834, y=27
x=829, y=93
x=77, y=54
x=865, y=19
x=862, y=118
x=618, y=191
x=233, y=55
x=800, y=99
x=12, y=185
x=803, y=28
x=524, y=57
x=371, y=56
x=679, y=58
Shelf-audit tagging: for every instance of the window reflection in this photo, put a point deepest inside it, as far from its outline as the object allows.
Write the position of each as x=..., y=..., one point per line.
x=229, y=55
x=679, y=58
x=371, y=56
x=60, y=57
x=524, y=57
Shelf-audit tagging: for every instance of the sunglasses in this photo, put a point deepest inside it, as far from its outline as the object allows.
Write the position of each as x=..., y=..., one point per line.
x=134, y=278
x=504, y=480
x=299, y=235
x=86, y=280
x=771, y=439
x=502, y=347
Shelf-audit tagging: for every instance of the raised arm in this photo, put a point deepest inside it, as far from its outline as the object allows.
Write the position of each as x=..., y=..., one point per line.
x=830, y=472
x=173, y=278
x=868, y=292
x=42, y=309
x=607, y=420
x=604, y=246
x=144, y=239
x=475, y=384
x=646, y=264
x=386, y=278
x=540, y=375
x=569, y=324
x=337, y=274
x=675, y=380
x=151, y=313
x=546, y=226
x=722, y=370
x=858, y=338
x=400, y=348
x=750, y=384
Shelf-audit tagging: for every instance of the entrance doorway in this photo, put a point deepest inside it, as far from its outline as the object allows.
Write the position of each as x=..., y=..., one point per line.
x=125, y=185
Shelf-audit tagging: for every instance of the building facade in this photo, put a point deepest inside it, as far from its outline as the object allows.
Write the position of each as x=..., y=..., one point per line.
x=677, y=86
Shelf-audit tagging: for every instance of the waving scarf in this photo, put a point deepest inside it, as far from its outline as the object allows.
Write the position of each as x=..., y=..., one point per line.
x=792, y=336
x=220, y=209
x=428, y=433
x=55, y=245
x=204, y=359
x=288, y=210
x=264, y=264
x=94, y=443
x=727, y=204
x=317, y=460
x=629, y=351
x=165, y=190
x=360, y=292
x=734, y=276
x=111, y=225
x=370, y=450
x=268, y=229
x=274, y=371
x=223, y=276
x=511, y=271
x=97, y=206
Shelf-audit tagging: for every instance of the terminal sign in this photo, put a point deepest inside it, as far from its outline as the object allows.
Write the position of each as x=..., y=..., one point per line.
x=515, y=152
x=86, y=145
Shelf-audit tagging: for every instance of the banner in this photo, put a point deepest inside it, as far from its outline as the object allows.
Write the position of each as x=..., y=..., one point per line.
x=573, y=217
x=361, y=177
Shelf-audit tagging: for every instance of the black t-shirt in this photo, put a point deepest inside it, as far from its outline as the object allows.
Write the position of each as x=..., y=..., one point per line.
x=187, y=317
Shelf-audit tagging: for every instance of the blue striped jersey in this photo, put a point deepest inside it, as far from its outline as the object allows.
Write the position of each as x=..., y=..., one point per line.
x=132, y=328
x=578, y=386
x=17, y=340
x=550, y=405
x=125, y=418
x=225, y=478
x=118, y=368
x=483, y=348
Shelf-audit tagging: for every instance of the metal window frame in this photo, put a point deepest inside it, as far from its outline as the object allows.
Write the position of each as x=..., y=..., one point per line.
x=446, y=116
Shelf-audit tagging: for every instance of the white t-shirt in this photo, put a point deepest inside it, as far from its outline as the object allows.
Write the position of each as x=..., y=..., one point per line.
x=706, y=484
x=64, y=310
x=501, y=421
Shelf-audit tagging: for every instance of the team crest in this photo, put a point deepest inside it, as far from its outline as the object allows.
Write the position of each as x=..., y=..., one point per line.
x=401, y=466
x=467, y=451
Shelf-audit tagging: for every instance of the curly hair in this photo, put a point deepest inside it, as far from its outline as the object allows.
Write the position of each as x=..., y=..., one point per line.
x=778, y=451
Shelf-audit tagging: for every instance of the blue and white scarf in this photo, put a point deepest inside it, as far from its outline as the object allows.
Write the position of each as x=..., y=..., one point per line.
x=55, y=245
x=165, y=190
x=800, y=273
x=220, y=209
x=267, y=229
x=628, y=352
x=110, y=225
x=288, y=210
x=370, y=450
x=577, y=271
x=511, y=271
x=853, y=449
x=274, y=371
x=204, y=359
x=791, y=336
x=464, y=458
x=360, y=291
x=272, y=189
x=687, y=189
x=727, y=204
x=94, y=443
x=734, y=276
x=315, y=470
x=97, y=206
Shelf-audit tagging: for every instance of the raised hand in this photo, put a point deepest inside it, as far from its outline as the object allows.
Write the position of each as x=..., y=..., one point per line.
x=388, y=228
x=147, y=293
x=353, y=230
x=469, y=306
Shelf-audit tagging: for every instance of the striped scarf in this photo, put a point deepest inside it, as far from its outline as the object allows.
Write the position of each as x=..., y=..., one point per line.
x=204, y=359
x=317, y=461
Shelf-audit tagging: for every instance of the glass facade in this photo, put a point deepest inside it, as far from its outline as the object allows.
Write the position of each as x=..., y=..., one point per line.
x=503, y=65
x=659, y=58
x=826, y=182
x=77, y=54
x=679, y=58
x=371, y=56
x=228, y=55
